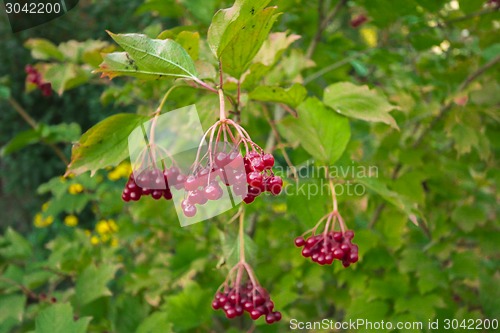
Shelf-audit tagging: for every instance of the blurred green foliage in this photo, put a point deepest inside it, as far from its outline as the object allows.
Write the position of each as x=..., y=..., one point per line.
x=115, y=267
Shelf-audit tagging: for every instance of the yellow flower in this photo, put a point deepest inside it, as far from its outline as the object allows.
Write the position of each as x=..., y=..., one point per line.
x=75, y=188
x=102, y=227
x=123, y=170
x=105, y=238
x=41, y=222
x=71, y=220
x=369, y=35
x=114, y=242
x=87, y=233
x=94, y=240
x=106, y=226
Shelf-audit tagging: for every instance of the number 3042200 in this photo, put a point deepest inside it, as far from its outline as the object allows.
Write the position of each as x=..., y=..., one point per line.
x=33, y=8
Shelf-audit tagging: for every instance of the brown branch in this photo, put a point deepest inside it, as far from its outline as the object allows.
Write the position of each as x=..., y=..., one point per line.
x=323, y=22
x=442, y=112
x=19, y=109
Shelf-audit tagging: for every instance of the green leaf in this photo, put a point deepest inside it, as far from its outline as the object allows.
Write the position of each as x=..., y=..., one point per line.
x=14, y=246
x=237, y=33
x=322, y=132
x=392, y=197
x=292, y=96
x=65, y=132
x=105, y=144
x=359, y=102
x=148, y=58
x=91, y=284
x=489, y=295
x=58, y=318
x=21, y=140
x=43, y=49
x=238, y=56
x=227, y=23
x=422, y=307
x=11, y=308
x=469, y=217
x=190, y=41
x=155, y=323
x=64, y=76
x=189, y=309
x=4, y=92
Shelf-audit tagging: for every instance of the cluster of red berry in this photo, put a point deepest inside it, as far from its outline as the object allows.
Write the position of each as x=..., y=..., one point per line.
x=259, y=176
x=203, y=185
x=35, y=77
x=153, y=182
x=254, y=300
x=324, y=249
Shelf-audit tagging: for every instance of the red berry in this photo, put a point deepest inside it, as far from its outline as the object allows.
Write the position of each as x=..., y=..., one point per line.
x=213, y=192
x=275, y=184
x=189, y=210
x=255, y=179
x=268, y=160
x=299, y=241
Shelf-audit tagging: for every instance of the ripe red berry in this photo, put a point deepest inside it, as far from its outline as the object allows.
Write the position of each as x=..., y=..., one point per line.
x=213, y=192
x=255, y=179
x=324, y=249
x=268, y=160
x=275, y=184
x=189, y=210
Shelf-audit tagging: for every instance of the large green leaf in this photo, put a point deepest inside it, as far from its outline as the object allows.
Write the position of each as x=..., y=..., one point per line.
x=148, y=58
x=92, y=283
x=321, y=131
x=105, y=144
x=237, y=33
x=359, y=102
x=238, y=56
x=292, y=96
x=188, y=309
x=58, y=318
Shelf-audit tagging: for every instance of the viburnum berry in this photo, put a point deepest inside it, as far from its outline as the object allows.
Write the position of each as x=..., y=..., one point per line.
x=34, y=77
x=329, y=245
x=152, y=182
x=247, y=296
x=222, y=167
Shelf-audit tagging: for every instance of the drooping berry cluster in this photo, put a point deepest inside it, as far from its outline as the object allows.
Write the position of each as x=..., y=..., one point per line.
x=247, y=297
x=204, y=184
x=153, y=182
x=259, y=176
x=325, y=248
x=35, y=77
